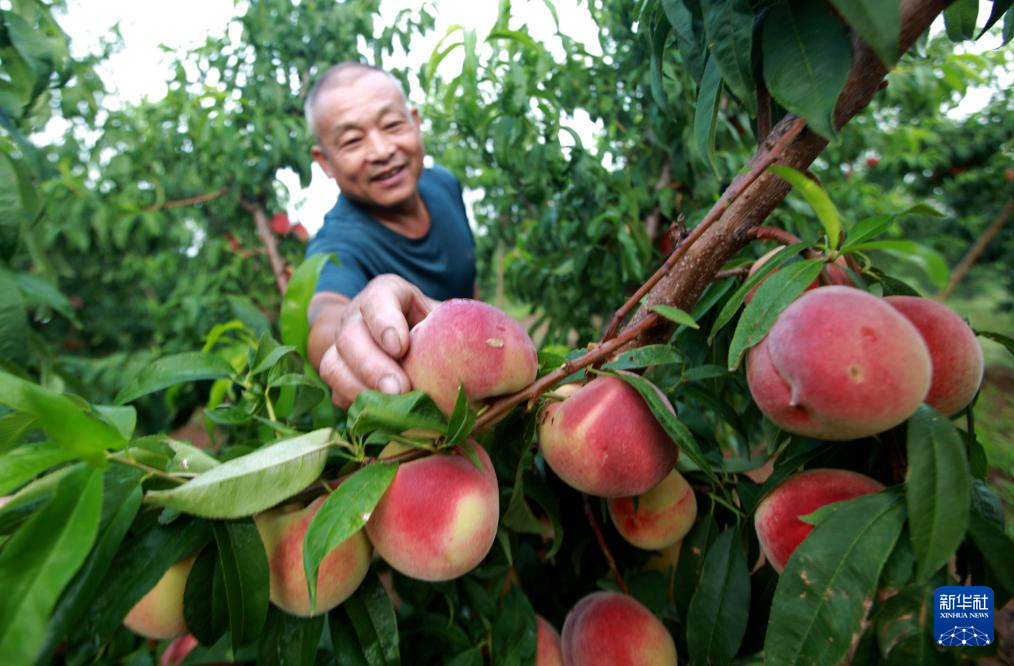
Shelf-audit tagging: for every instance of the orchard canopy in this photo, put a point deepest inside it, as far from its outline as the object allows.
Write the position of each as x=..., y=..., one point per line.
x=790, y=478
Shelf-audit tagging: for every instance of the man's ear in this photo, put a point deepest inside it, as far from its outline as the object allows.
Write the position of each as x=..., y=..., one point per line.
x=415, y=118
x=320, y=158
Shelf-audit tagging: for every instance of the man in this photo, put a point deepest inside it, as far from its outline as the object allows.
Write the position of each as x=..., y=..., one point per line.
x=399, y=230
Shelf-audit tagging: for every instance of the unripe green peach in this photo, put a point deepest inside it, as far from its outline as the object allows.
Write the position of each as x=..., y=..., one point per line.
x=547, y=642
x=439, y=516
x=660, y=517
x=473, y=344
x=779, y=529
x=159, y=613
x=603, y=440
x=839, y=363
x=341, y=571
x=612, y=629
x=955, y=353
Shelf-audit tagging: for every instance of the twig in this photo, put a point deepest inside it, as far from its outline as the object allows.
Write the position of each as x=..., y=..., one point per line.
x=622, y=584
x=976, y=251
x=153, y=471
x=758, y=165
x=264, y=232
x=189, y=201
x=742, y=271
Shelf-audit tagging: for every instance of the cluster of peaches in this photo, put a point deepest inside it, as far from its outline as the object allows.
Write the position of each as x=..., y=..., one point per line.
x=838, y=364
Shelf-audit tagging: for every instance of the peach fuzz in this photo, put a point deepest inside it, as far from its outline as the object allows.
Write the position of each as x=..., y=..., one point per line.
x=468, y=342
x=340, y=573
x=603, y=440
x=612, y=629
x=779, y=529
x=159, y=613
x=547, y=650
x=662, y=516
x=439, y=516
x=954, y=351
x=838, y=364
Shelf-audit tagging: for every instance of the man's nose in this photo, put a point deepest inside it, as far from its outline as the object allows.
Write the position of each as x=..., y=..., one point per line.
x=381, y=147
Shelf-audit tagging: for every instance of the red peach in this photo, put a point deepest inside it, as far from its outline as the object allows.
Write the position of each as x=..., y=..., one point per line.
x=468, y=342
x=779, y=529
x=439, y=516
x=604, y=440
x=839, y=363
x=547, y=651
x=159, y=613
x=178, y=650
x=954, y=351
x=662, y=516
x=612, y=629
x=341, y=571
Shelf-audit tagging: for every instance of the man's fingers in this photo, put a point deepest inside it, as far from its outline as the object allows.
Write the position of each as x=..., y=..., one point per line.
x=367, y=361
x=336, y=373
x=390, y=307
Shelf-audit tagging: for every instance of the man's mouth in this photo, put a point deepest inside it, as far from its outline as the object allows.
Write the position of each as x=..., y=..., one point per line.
x=389, y=174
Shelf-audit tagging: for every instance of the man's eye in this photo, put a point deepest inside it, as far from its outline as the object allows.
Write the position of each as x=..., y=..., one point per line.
x=394, y=126
x=348, y=143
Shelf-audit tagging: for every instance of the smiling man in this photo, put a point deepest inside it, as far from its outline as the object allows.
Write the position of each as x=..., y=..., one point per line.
x=399, y=230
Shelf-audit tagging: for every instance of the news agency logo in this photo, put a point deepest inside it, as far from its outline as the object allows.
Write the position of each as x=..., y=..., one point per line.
x=963, y=616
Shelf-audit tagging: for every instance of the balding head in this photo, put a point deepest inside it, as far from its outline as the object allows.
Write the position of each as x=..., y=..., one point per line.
x=337, y=76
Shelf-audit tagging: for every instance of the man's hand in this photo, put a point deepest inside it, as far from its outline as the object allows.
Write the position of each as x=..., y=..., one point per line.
x=355, y=345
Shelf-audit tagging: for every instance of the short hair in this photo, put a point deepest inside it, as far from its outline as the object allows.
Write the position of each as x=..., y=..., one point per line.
x=342, y=74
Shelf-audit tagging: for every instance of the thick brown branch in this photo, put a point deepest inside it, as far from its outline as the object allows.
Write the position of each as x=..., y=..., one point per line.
x=976, y=251
x=268, y=240
x=189, y=201
x=700, y=261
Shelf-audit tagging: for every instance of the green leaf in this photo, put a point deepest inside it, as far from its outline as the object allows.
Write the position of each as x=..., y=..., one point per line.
x=13, y=318
x=806, y=59
x=829, y=583
x=867, y=229
x=11, y=209
x=728, y=25
x=371, y=617
x=40, y=560
x=1005, y=340
x=818, y=200
x=205, y=603
x=24, y=463
x=83, y=434
x=37, y=291
x=292, y=321
x=996, y=547
x=514, y=36
x=709, y=94
x=676, y=315
x=718, y=611
x=731, y=306
x=878, y=22
x=122, y=500
x=938, y=489
x=687, y=22
x=462, y=419
x=372, y=410
x=659, y=41
x=643, y=357
x=288, y=640
x=252, y=483
x=695, y=547
x=1008, y=27
x=959, y=19
x=777, y=292
x=174, y=369
x=905, y=628
x=929, y=260
x=343, y=513
x=269, y=353
x=244, y=567
x=13, y=427
x=673, y=427
x=514, y=630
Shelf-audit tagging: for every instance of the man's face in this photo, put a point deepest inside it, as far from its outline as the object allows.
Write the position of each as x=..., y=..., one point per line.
x=370, y=142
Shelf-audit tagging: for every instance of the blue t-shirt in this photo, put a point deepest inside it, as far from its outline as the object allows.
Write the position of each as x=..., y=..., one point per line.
x=441, y=263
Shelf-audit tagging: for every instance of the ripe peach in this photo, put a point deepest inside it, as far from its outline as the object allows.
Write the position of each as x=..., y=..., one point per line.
x=955, y=353
x=438, y=518
x=340, y=573
x=612, y=629
x=473, y=344
x=178, y=650
x=159, y=613
x=839, y=363
x=547, y=651
x=662, y=517
x=604, y=440
x=777, y=519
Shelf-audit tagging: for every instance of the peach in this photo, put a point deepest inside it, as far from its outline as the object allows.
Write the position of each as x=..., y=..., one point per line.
x=547, y=651
x=159, y=613
x=954, y=351
x=178, y=650
x=439, y=516
x=603, y=440
x=341, y=571
x=473, y=344
x=612, y=629
x=839, y=363
x=662, y=516
x=779, y=529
